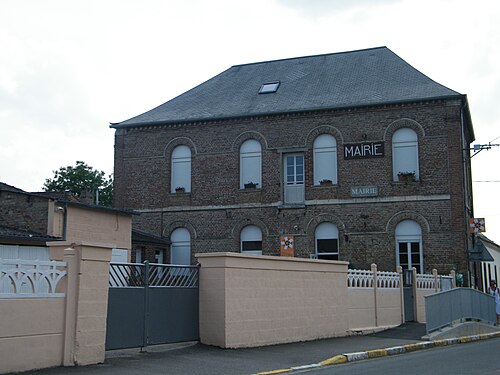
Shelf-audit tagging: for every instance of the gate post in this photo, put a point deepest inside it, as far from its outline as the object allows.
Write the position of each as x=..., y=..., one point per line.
x=146, y=307
x=87, y=300
x=401, y=293
x=375, y=287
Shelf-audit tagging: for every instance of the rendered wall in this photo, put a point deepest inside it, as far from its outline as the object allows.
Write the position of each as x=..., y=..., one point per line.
x=89, y=225
x=31, y=333
x=69, y=330
x=250, y=300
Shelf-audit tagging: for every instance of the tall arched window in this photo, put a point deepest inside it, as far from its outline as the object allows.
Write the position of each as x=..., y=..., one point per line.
x=409, y=245
x=180, y=248
x=250, y=163
x=181, y=168
x=326, y=238
x=325, y=159
x=251, y=240
x=404, y=153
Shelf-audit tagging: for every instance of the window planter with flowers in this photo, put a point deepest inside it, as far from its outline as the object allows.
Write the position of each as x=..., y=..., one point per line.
x=407, y=177
x=180, y=189
x=251, y=185
x=326, y=182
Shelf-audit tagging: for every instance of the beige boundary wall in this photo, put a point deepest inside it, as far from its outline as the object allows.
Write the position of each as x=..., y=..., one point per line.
x=70, y=330
x=248, y=300
x=375, y=299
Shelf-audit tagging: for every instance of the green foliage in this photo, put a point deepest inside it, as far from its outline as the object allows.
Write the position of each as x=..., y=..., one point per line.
x=82, y=179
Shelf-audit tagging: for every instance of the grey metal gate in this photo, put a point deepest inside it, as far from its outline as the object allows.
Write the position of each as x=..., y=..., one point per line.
x=408, y=297
x=151, y=304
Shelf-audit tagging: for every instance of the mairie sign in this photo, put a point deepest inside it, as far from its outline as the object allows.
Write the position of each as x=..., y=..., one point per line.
x=364, y=150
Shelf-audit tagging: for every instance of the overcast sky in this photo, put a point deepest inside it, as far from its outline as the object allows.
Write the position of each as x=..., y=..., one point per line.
x=69, y=68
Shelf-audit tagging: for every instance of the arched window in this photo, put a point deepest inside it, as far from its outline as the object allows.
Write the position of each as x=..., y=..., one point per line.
x=325, y=159
x=181, y=168
x=251, y=163
x=404, y=153
x=327, y=241
x=251, y=240
x=409, y=245
x=180, y=248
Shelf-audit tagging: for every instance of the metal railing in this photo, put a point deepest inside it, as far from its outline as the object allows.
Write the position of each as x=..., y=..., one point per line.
x=124, y=275
x=459, y=304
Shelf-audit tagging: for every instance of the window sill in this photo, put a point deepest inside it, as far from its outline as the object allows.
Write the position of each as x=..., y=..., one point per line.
x=406, y=182
x=250, y=190
x=325, y=186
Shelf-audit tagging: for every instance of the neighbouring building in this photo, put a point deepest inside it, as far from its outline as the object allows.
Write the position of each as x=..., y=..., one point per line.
x=29, y=220
x=355, y=156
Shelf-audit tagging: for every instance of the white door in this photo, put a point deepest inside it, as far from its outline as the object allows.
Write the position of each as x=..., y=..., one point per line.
x=294, y=178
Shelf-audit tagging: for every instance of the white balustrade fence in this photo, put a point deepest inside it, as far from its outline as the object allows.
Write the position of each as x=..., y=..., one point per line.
x=30, y=278
x=366, y=279
x=360, y=279
x=426, y=281
x=388, y=280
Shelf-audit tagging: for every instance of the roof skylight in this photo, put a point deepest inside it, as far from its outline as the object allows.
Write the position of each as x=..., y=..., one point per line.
x=269, y=87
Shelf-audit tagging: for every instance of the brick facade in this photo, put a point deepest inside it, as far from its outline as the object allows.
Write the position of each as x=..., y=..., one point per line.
x=217, y=209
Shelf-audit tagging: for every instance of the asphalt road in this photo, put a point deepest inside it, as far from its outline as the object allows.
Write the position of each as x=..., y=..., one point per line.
x=480, y=357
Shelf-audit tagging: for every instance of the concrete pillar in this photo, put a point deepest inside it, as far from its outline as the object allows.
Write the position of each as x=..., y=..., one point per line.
x=86, y=300
x=401, y=293
x=436, y=280
x=375, y=288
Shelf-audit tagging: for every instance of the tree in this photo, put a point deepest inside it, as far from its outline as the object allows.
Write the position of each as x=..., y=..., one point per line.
x=80, y=180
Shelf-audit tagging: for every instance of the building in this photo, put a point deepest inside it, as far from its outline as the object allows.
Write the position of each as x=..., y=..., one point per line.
x=29, y=220
x=354, y=156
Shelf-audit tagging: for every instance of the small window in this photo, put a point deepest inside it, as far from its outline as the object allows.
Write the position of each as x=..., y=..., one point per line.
x=325, y=159
x=270, y=87
x=327, y=241
x=405, y=153
x=251, y=240
x=180, y=249
x=181, y=169
x=250, y=163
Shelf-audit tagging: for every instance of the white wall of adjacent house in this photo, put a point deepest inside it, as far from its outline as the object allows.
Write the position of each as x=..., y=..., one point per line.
x=24, y=252
x=491, y=270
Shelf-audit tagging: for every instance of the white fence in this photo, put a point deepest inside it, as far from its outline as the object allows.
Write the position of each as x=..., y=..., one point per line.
x=369, y=279
x=31, y=278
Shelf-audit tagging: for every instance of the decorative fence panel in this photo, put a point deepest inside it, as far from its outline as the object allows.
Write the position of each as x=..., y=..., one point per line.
x=31, y=278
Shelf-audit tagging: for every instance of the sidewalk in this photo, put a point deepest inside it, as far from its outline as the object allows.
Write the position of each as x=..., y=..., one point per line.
x=195, y=358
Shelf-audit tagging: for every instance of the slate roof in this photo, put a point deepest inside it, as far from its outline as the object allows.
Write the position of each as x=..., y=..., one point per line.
x=333, y=81
x=19, y=236
x=145, y=237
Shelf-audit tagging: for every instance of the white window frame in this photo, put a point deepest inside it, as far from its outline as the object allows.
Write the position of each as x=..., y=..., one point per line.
x=405, y=153
x=251, y=233
x=409, y=231
x=181, y=168
x=325, y=158
x=180, y=247
x=251, y=163
x=326, y=231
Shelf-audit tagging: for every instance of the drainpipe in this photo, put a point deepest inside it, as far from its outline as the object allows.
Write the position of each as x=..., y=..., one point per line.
x=65, y=220
x=469, y=211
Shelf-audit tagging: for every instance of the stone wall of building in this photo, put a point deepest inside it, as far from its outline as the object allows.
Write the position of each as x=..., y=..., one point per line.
x=217, y=209
x=24, y=212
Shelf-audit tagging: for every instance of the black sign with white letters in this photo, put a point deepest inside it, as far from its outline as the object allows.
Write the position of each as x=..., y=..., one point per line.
x=364, y=150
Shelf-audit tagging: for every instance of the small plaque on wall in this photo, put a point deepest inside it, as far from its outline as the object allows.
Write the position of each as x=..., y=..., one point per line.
x=287, y=246
x=364, y=191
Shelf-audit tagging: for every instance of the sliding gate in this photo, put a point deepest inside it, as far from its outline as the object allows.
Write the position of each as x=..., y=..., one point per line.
x=151, y=304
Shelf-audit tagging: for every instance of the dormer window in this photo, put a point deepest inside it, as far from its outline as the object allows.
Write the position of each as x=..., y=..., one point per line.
x=270, y=87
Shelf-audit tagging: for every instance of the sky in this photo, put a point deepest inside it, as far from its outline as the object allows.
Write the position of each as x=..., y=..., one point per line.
x=69, y=68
